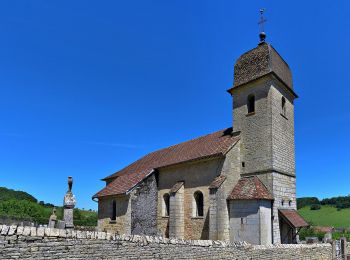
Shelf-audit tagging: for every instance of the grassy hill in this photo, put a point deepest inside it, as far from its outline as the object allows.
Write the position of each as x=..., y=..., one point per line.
x=20, y=205
x=327, y=216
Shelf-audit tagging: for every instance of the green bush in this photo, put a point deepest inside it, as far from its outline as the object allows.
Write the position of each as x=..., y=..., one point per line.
x=22, y=209
x=310, y=232
x=315, y=207
x=307, y=201
x=338, y=235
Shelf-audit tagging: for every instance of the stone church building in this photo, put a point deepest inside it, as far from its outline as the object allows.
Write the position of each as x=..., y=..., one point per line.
x=237, y=184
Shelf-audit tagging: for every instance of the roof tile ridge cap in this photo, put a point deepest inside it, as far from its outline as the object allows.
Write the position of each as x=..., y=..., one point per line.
x=192, y=139
x=272, y=48
x=237, y=138
x=259, y=182
x=270, y=58
x=149, y=173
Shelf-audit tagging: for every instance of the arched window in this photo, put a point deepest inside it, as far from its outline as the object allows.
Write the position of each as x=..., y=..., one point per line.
x=166, y=205
x=114, y=210
x=283, y=103
x=251, y=104
x=199, y=201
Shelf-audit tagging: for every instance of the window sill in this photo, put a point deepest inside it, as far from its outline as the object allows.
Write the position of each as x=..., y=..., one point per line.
x=284, y=116
x=165, y=216
x=112, y=221
x=198, y=217
x=250, y=114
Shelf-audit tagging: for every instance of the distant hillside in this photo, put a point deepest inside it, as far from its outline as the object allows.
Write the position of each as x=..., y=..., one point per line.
x=20, y=205
x=341, y=202
x=333, y=212
x=7, y=194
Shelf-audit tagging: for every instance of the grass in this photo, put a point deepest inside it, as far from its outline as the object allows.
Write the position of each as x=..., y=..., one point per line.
x=326, y=216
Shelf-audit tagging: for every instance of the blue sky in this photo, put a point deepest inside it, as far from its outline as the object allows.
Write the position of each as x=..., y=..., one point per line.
x=88, y=87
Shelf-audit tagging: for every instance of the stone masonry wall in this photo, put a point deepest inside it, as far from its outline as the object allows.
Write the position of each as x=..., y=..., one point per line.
x=122, y=224
x=144, y=208
x=256, y=129
x=219, y=213
x=196, y=176
x=45, y=243
x=285, y=197
x=283, y=149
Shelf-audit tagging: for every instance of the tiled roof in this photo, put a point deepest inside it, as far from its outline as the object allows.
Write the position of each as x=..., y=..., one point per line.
x=250, y=188
x=293, y=218
x=176, y=187
x=211, y=145
x=216, y=183
x=260, y=61
x=324, y=229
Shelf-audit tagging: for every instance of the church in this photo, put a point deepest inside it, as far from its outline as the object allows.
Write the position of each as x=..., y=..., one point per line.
x=236, y=184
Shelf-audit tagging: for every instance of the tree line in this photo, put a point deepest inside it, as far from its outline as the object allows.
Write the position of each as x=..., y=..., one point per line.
x=20, y=205
x=341, y=202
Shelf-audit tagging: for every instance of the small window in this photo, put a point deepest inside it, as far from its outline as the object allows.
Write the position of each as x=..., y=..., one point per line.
x=166, y=205
x=282, y=202
x=243, y=164
x=251, y=104
x=283, y=103
x=199, y=201
x=114, y=210
x=290, y=203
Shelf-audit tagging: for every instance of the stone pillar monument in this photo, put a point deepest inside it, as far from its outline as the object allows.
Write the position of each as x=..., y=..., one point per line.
x=68, y=205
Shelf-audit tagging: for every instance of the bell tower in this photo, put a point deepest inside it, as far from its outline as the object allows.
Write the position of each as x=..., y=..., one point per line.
x=263, y=111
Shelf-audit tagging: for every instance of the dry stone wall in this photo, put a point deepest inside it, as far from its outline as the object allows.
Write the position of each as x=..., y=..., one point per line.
x=49, y=243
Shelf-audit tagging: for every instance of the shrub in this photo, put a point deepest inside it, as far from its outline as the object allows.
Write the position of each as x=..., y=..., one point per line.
x=315, y=207
x=310, y=232
x=338, y=235
x=306, y=201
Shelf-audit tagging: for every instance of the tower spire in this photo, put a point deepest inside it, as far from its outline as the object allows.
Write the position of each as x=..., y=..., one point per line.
x=262, y=21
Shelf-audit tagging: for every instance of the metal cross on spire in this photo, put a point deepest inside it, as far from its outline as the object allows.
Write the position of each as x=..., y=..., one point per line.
x=261, y=23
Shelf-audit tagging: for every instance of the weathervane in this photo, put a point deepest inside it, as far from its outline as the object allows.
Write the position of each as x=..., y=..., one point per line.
x=261, y=23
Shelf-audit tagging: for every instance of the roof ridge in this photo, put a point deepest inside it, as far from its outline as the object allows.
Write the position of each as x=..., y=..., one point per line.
x=193, y=139
x=165, y=148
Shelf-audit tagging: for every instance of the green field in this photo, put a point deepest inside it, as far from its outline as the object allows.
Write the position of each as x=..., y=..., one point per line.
x=326, y=216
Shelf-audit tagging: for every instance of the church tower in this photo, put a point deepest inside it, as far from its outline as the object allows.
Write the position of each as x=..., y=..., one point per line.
x=263, y=112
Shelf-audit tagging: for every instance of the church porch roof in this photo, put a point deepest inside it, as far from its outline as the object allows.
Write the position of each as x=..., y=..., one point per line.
x=293, y=218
